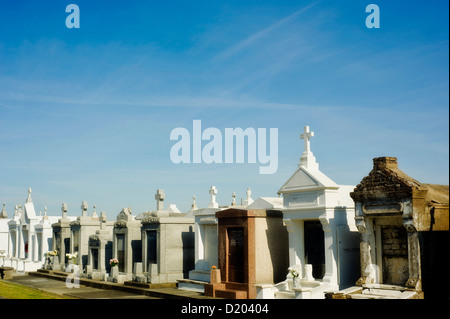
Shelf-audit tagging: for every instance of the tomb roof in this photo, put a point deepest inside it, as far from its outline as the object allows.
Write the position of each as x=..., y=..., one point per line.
x=267, y=203
x=438, y=194
x=387, y=180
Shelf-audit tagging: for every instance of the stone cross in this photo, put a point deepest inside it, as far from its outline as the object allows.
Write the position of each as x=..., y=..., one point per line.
x=64, y=210
x=29, y=200
x=307, y=134
x=307, y=160
x=160, y=199
x=103, y=219
x=94, y=213
x=84, y=207
x=213, y=193
x=194, y=205
x=249, y=199
x=4, y=215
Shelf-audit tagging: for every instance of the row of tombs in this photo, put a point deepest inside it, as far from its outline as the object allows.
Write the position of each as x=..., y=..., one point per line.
x=384, y=238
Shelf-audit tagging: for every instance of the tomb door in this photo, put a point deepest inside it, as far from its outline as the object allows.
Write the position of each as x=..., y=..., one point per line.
x=151, y=248
x=39, y=242
x=315, y=248
x=76, y=240
x=13, y=242
x=58, y=242
x=136, y=248
x=66, y=249
x=120, y=240
x=211, y=244
x=94, y=252
x=236, y=254
x=394, y=240
x=25, y=243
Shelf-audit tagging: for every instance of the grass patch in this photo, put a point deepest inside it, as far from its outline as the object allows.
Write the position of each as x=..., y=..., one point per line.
x=11, y=290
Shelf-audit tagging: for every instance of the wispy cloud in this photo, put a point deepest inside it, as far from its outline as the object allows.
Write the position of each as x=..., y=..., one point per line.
x=254, y=38
x=7, y=106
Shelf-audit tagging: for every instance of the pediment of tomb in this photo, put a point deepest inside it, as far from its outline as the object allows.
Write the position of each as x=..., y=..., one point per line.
x=303, y=180
x=124, y=215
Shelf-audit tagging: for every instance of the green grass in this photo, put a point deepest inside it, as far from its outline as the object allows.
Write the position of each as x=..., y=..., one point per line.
x=11, y=290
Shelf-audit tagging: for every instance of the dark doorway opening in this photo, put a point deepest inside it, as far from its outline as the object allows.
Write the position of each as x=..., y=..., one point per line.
x=315, y=247
x=236, y=254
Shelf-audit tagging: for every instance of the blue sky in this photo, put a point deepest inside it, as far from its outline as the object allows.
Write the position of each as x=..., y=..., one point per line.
x=86, y=114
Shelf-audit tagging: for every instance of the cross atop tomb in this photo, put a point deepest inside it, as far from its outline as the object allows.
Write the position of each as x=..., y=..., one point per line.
x=308, y=160
x=3, y=214
x=160, y=199
x=249, y=199
x=84, y=207
x=307, y=134
x=64, y=210
x=29, y=200
x=103, y=220
x=234, y=199
x=94, y=213
x=194, y=205
x=213, y=193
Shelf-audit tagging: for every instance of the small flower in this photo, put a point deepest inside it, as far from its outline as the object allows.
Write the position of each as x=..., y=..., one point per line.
x=113, y=262
x=52, y=253
x=295, y=270
x=214, y=267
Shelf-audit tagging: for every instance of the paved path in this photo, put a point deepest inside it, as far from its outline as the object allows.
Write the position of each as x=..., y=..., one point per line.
x=59, y=287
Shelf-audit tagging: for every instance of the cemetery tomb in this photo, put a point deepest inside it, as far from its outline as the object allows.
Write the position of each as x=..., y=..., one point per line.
x=253, y=249
x=323, y=239
x=403, y=225
x=167, y=245
x=83, y=227
x=126, y=245
x=100, y=249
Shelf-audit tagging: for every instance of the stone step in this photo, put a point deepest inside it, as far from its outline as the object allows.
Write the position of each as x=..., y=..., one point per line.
x=284, y=295
x=53, y=272
x=190, y=284
x=385, y=287
x=231, y=294
x=366, y=296
x=149, y=285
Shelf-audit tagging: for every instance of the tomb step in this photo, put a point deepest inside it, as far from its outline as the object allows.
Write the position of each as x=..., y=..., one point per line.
x=384, y=294
x=231, y=294
x=200, y=275
x=53, y=272
x=235, y=286
x=385, y=287
x=284, y=295
x=190, y=284
x=149, y=285
x=366, y=296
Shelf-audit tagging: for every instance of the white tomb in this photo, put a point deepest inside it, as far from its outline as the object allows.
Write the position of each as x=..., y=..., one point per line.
x=323, y=239
x=25, y=238
x=4, y=234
